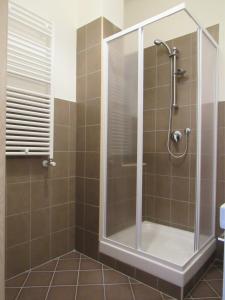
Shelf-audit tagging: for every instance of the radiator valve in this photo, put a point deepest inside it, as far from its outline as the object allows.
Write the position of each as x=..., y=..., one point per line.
x=48, y=163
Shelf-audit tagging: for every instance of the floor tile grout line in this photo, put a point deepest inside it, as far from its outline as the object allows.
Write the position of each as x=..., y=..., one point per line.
x=212, y=279
x=69, y=270
x=200, y=279
x=131, y=289
x=85, y=284
x=17, y=297
x=78, y=274
x=161, y=294
x=50, y=284
x=203, y=298
x=18, y=275
x=103, y=281
x=212, y=288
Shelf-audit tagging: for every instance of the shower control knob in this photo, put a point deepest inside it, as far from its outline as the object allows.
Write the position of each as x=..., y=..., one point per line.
x=176, y=136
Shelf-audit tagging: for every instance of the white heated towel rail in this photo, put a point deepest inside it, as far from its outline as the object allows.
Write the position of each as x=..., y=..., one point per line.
x=30, y=103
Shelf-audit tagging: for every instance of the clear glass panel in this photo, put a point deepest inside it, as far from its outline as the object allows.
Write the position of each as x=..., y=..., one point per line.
x=209, y=57
x=122, y=139
x=168, y=210
x=169, y=184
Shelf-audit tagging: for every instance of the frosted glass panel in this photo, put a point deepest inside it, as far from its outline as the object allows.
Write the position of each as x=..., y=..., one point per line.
x=122, y=138
x=208, y=106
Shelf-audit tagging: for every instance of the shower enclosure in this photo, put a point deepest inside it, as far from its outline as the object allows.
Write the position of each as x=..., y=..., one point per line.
x=158, y=150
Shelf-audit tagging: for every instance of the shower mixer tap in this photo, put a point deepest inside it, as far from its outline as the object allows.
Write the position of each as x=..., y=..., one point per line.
x=176, y=135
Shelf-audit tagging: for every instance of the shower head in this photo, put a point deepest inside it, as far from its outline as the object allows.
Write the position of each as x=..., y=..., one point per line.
x=158, y=42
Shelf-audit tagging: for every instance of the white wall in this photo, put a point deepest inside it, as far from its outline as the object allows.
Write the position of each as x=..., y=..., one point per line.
x=64, y=16
x=67, y=16
x=89, y=10
x=113, y=10
x=205, y=10
x=208, y=12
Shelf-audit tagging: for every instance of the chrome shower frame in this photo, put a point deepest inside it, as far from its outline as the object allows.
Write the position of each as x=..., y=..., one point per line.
x=175, y=274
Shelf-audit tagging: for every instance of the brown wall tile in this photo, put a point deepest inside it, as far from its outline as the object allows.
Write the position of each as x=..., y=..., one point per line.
x=18, y=229
x=81, y=63
x=33, y=193
x=80, y=139
x=93, y=33
x=59, y=217
x=179, y=213
x=81, y=39
x=17, y=170
x=92, y=218
x=94, y=85
x=39, y=194
x=94, y=59
x=150, y=78
x=150, y=98
x=60, y=243
x=61, y=138
x=93, y=112
x=18, y=198
x=92, y=166
x=17, y=259
x=40, y=223
x=59, y=189
x=40, y=250
x=37, y=172
x=61, y=112
x=92, y=191
x=80, y=90
x=163, y=74
x=93, y=138
x=62, y=167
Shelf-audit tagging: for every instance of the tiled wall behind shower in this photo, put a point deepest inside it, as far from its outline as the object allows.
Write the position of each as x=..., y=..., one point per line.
x=168, y=183
x=40, y=212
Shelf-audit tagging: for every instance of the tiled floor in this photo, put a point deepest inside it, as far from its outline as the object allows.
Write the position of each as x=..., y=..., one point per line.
x=77, y=277
x=210, y=286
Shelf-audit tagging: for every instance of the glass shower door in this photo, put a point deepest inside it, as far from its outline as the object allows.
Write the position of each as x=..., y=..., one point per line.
x=169, y=167
x=122, y=139
x=207, y=139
